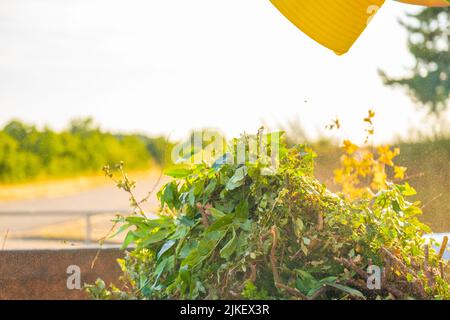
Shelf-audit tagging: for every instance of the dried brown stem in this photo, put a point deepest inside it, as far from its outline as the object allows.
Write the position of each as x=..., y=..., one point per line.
x=273, y=263
x=398, y=262
x=319, y=226
x=352, y=266
x=205, y=213
x=417, y=283
x=290, y=290
x=318, y=293
x=443, y=247
x=273, y=259
x=253, y=272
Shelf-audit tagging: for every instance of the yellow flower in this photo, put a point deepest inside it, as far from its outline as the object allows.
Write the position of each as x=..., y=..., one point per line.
x=339, y=176
x=370, y=116
x=384, y=149
x=386, y=155
x=349, y=147
x=399, y=172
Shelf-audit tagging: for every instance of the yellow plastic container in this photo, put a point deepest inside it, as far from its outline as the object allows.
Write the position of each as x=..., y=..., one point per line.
x=336, y=24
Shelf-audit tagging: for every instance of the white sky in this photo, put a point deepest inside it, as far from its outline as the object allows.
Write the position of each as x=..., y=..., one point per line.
x=169, y=66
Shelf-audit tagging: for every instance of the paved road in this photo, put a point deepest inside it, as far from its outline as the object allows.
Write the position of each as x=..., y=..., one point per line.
x=105, y=198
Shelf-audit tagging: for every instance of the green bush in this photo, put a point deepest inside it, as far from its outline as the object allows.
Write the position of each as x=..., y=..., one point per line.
x=249, y=230
x=27, y=153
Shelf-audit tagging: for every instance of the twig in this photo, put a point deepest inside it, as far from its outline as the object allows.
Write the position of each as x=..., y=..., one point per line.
x=352, y=266
x=319, y=293
x=204, y=211
x=295, y=255
x=155, y=185
x=441, y=254
x=282, y=254
x=273, y=259
x=129, y=188
x=161, y=173
x=418, y=175
x=276, y=276
x=394, y=291
x=319, y=221
x=290, y=290
x=428, y=202
x=253, y=272
x=4, y=239
x=356, y=283
x=101, y=241
x=398, y=262
x=443, y=247
x=405, y=269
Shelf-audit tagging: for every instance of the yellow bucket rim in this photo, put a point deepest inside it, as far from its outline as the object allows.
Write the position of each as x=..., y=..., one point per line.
x=335, y=24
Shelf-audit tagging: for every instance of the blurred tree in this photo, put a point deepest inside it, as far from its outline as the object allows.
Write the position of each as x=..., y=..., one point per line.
x=27, y=153
x=83, y=125
x=428, y=81
x=17, y=130
x=159, y=148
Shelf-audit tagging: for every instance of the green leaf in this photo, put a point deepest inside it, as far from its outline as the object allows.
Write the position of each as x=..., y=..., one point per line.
x=298, y=227
x=350, y=291
x=217, y=214
x=136, y=220
x=161, y=267
x=242, y=210
x=229, y=248
x=154, y=238
x=191, y=198
x=180, y=232
x=185, y=275
x=306, y=282
x=187, y=249
x=166, y=246
x=246, y=225
x=396, y=207
x=204, y=248
x=221, y=223
x=146, y=223
x=406, y=189
x=198, y=187
x=328, y=280
x=130, y=237
x=186, y=221
x=168, y=194
x=210, y=187
x=237, y=179
x=178, y=172
x=120, y=230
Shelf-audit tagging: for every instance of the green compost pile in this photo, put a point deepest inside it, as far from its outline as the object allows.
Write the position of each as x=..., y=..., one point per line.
x=249, y=230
